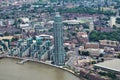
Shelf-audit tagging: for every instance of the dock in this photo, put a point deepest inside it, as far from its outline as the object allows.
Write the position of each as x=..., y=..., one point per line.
x=23, y=61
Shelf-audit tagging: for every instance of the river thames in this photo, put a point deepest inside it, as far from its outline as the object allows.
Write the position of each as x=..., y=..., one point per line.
x=9, y=70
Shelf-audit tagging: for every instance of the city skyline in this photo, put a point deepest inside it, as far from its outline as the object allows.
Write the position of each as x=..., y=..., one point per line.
x=50, y=39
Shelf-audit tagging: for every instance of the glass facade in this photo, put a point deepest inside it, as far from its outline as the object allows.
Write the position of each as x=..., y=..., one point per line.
x=58, y=41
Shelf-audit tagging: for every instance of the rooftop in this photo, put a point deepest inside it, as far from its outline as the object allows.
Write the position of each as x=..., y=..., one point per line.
x=6, y=37
x=111, y=65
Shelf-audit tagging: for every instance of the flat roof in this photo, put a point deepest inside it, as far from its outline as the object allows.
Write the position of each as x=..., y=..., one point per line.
x=110, y=64
x=6, y=37
x=74, y=21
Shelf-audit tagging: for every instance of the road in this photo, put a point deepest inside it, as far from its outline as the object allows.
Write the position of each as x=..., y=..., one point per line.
x=73, y=58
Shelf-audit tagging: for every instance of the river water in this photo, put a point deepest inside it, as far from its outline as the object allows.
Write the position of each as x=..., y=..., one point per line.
x=9, y=70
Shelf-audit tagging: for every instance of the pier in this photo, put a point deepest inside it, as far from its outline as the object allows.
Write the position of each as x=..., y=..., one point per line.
x=23, y=61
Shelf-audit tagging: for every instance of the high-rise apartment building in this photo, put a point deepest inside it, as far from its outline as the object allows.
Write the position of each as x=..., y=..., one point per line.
x=59, y=55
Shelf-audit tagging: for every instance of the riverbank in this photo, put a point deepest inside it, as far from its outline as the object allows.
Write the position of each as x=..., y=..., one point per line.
x=50, y=65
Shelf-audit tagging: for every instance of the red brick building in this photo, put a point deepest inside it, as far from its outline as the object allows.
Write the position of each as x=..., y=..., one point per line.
x=82, y=37
x=91, y=45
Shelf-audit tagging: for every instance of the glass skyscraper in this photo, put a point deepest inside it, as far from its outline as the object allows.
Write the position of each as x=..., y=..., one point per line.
x=59, y=55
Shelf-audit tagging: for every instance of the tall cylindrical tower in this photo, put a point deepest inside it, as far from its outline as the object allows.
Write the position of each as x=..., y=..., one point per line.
x=59, y=56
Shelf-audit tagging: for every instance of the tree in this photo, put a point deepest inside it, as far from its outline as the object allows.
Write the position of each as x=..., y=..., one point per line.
x=6, y=34
x=102, y=59
x=66, y=49
x=95, y=36
x=73, y=34
x=34, y=38
x=79, y=52
x=85, y=53
x=102, y=73
x=111, y=75
x=93, y=62
x=101, y=55
x=17, y=32
x=114, y=26
x=14, y=39
x=118, y=20
x=118, y=56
